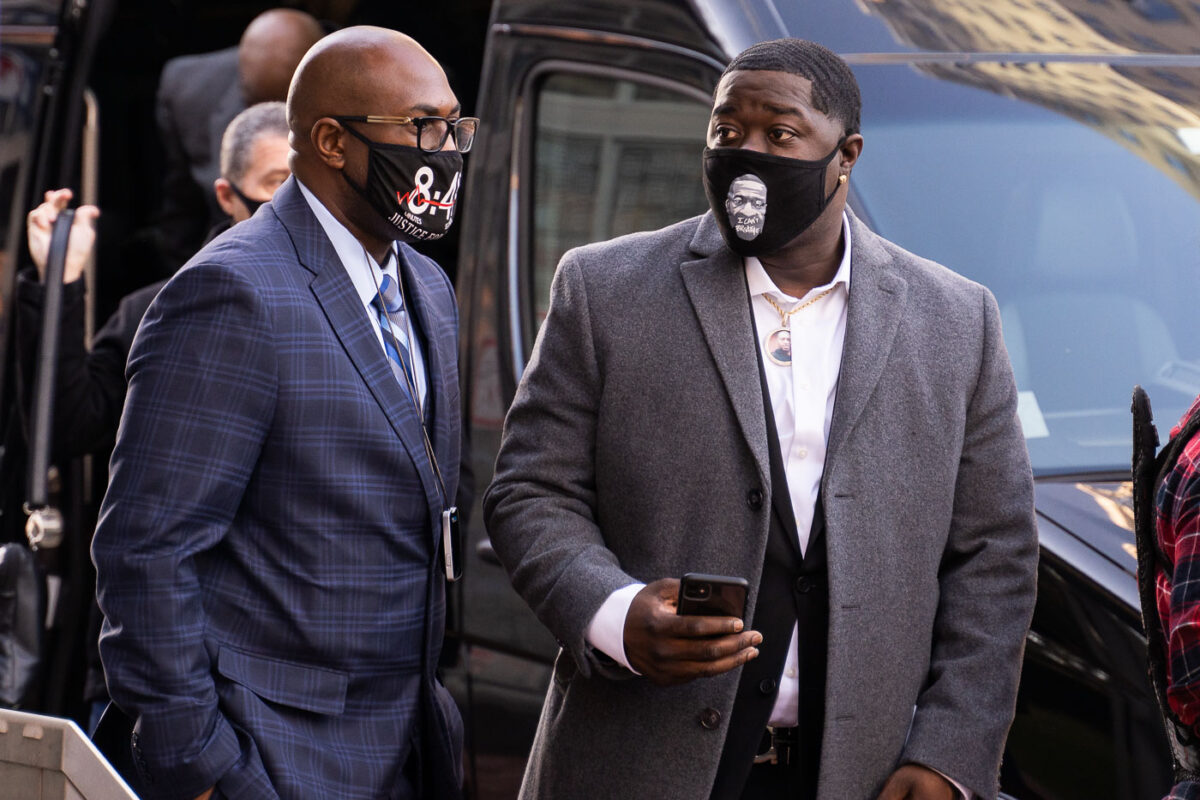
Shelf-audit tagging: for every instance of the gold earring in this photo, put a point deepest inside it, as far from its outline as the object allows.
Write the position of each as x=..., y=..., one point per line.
x=841, y=179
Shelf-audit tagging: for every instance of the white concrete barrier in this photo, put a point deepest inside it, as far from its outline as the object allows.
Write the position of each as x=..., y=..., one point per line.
x=50, y=758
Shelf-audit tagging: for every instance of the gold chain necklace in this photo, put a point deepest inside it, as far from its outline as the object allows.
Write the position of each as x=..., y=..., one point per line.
x=778, y=343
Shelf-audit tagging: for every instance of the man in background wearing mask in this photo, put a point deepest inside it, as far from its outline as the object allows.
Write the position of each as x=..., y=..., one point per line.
x=197, y=97
x=873, y=488
x=269, y=554
x=89, y=387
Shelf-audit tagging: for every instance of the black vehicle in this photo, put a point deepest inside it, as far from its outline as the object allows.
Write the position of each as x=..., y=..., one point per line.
x=1048, y=150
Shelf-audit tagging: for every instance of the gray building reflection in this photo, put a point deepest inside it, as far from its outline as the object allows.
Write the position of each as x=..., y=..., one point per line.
x=1121, y=84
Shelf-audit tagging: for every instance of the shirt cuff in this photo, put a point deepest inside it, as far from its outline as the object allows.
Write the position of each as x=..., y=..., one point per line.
x=963, y=792
x=606, y=631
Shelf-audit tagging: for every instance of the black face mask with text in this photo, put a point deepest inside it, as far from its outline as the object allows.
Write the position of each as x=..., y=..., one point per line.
x=762, y=202
x=413, y=190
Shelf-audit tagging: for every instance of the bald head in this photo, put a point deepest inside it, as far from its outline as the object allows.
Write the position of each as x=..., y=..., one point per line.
x=365, y=70
x=358, y=72
x=271, y=47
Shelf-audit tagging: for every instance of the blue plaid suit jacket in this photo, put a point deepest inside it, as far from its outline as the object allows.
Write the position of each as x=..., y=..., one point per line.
x=266, y=555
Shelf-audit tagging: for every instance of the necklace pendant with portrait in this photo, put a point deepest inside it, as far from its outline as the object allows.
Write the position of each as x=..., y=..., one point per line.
x=778, y=346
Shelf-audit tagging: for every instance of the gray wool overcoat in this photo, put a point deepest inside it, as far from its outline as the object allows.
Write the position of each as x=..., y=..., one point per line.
x=637, y=433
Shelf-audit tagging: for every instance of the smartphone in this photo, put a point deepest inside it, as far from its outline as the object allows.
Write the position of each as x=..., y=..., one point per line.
x=712, y=595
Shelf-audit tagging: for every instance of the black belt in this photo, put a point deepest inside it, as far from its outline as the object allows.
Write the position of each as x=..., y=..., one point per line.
x=779, y=746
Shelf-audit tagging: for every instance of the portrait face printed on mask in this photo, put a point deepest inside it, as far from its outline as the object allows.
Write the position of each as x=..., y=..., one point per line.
x=746, y=204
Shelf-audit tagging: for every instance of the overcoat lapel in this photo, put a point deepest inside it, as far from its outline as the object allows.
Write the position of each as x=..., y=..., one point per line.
x=878, y=296
x=716, y=285
x=335, y=293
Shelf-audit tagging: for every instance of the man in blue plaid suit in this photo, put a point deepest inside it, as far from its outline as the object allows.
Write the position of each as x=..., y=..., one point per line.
x=268, y=553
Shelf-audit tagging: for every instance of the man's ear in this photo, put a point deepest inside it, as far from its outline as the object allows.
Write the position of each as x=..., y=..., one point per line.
x=225, y=196
x=328, y=140
x=850, y=150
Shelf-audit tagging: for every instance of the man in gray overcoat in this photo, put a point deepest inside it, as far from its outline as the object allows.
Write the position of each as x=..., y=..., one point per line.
x=873, y=489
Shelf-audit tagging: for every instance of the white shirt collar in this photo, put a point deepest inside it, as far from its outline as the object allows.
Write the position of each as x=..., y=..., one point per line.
x=351, y=252
x=760, y=282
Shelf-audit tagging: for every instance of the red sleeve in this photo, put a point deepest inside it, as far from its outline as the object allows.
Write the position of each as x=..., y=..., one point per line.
x=1179, y=532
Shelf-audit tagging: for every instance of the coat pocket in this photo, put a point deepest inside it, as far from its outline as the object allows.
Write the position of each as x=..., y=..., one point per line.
x=322, y=691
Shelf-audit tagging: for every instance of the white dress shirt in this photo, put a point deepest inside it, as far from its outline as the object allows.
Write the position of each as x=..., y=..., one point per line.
x=802, y=397
x=802, y=400
x=366, y=273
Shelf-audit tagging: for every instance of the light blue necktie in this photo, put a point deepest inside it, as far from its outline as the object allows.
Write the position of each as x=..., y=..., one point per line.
x=388, y=303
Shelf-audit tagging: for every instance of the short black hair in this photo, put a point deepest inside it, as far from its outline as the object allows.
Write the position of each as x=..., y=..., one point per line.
x=834, y=88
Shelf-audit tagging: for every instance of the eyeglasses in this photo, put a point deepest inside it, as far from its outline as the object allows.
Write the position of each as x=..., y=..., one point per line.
x=431, y=131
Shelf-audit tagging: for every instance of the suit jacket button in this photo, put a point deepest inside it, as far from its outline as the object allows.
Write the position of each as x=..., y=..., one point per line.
x=767, y=686
x=754, y=499
x=710, y=718
x=803, y=585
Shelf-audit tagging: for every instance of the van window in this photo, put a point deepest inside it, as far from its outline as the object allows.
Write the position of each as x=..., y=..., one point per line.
x=610, y=156
x=1083, y=221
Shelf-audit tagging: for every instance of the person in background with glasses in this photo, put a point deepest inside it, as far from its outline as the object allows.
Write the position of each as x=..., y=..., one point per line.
x=270, y=553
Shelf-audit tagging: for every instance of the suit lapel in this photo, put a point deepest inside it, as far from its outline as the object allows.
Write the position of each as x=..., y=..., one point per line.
x=878, y=296
x=336, y=295
x=438, y=356
x=716, y=286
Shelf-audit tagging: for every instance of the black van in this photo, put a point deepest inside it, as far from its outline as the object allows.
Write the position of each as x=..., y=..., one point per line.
x=1050, y=150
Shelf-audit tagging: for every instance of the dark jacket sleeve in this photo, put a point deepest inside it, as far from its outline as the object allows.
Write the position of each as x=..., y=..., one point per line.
x=184, y=214
x=89, y=387
x=202, y=394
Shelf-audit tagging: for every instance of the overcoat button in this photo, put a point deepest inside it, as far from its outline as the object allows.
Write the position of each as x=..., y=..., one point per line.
x=767, y=686
x=803, y=585
x=710, y=718
x=754, y=499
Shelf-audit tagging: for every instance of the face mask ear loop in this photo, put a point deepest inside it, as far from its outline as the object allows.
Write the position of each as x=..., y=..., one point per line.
x=843, y=179
x=251, y=205
x=362, y=137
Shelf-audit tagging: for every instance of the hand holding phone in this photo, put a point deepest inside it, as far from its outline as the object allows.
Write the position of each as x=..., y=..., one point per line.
x=712, y=595
x=670, y=648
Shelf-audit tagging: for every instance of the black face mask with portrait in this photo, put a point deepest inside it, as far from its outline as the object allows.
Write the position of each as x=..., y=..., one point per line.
x=414, y=191
x=762, y=202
